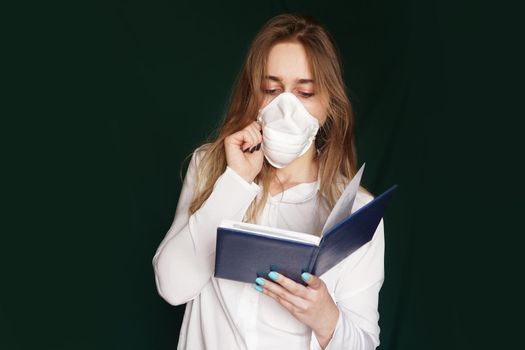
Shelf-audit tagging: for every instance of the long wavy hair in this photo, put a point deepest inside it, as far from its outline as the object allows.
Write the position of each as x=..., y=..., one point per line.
x=335, y=139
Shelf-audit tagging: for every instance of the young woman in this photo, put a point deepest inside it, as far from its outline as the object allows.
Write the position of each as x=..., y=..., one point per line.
x=283, y=155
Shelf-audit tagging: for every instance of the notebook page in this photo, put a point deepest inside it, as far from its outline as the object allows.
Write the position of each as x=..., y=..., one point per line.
x=343, y=206
x=271, y=231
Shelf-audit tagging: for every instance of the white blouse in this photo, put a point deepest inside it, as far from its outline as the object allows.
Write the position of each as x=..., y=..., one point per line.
x=224, y=314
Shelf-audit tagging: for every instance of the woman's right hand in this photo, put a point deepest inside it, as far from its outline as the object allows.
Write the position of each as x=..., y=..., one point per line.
x=243, y=151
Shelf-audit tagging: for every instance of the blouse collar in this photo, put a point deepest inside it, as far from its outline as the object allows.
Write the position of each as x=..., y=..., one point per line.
x=296, y=194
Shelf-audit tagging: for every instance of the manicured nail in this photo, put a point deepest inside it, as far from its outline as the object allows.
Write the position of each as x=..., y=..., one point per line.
x=252, y=149
x=258, y=147
x=258, y=288
x=305, y=276
x=273, y=275
x=259, y=281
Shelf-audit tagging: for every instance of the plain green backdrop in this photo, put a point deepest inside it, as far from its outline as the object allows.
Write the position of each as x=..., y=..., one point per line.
x=104, y=100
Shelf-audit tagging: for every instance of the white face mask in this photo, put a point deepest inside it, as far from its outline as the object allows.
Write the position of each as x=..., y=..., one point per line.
x=288, y=129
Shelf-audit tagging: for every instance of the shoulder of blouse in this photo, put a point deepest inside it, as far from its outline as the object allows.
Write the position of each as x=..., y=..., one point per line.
x=196, y=156
x=199, y=153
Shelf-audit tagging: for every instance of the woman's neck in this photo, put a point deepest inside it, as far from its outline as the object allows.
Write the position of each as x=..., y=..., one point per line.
x=303, y=169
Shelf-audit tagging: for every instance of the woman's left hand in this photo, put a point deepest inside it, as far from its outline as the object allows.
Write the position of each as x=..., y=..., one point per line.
x=311, y=305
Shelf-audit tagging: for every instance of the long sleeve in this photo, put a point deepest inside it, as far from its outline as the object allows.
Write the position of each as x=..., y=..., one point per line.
x=357, y=295
x=184, y=261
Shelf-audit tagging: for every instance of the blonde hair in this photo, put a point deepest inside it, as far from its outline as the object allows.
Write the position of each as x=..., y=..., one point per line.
x=335, y=139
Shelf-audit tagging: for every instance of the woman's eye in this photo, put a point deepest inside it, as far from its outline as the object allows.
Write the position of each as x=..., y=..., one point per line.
x=270, y=91
x=306, y=94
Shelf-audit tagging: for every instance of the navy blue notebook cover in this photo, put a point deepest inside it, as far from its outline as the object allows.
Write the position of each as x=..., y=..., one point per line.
x=243, y=256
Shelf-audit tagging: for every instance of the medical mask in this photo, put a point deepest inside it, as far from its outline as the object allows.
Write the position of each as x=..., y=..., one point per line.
x=288, y=129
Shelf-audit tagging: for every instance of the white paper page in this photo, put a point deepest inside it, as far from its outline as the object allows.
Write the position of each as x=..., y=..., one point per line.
x=271, y=231
x=343, y=206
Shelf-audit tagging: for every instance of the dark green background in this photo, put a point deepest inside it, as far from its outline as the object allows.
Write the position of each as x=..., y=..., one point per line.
x=104, y=100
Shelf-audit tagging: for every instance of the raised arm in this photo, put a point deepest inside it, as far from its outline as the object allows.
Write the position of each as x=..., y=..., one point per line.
x=184, y=260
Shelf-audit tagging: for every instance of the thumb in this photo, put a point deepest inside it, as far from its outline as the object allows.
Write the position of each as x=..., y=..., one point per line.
x=312, y=280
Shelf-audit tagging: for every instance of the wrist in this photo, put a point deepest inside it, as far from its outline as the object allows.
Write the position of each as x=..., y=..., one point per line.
x=323, y=339
x=324, y=334
x=247, y=177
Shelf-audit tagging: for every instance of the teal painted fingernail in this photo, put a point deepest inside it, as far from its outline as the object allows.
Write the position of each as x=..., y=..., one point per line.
x=273, y=275
x=259, y=281
x=305, y=276
x=258, y=288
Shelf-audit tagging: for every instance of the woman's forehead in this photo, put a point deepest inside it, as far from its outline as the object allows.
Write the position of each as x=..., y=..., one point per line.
x=288, y=63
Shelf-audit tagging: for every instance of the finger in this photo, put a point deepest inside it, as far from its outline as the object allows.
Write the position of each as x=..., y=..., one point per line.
x=297, y=295
x=257, y=133
x=290, y=285
x=248, y=140
x=258, y=126
x=312, y=281
x=282, y=293
x=253, y=135
x=290, y=302
x=238, y=138
x=286, y=304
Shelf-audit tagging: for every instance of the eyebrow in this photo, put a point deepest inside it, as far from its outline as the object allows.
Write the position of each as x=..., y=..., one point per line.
x=300, y=81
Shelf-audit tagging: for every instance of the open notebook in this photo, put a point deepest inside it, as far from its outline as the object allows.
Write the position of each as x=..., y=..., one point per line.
x=245, y=251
